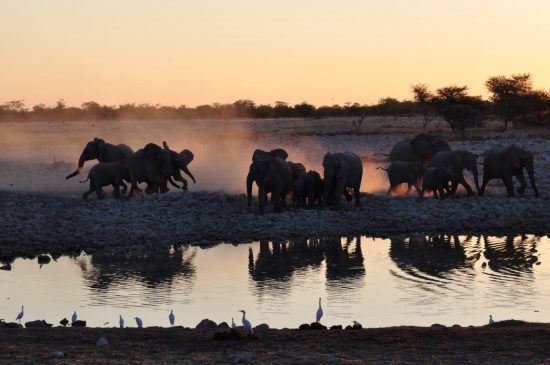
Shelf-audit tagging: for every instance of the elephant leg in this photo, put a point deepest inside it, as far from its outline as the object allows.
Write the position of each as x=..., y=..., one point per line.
x=357, y=195
x=486, y=180
x=99, y=192
x=262, y=198
x=522, y=182
x=462, y=181
x=435, y=194
x=509, y=185
x=116, y=190
x=85, y=195
x=338, y=191
x=409, y=188
x=441, y=193
x=347, y=195
x=391, y=189
x=124, y=187
x=421, y=194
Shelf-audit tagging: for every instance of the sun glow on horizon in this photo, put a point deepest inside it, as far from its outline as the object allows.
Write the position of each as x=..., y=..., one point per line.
x=323, y=52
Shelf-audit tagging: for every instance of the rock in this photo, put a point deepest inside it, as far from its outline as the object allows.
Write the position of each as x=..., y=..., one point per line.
x=227, y=335
x=102, y=341
x=437, y=325
x=261, y=327
x=58, y=354
x=64, y=322
x=244, y=357
x=223, y=325
x=6, y=267
x=317, y=326
x=79, y=323
x=336, y=327
x=304, y=327
x=456, y=326
x=357, y=326
x=40, y=323
x=206, y=324
x=43, y=259
x=10, y=325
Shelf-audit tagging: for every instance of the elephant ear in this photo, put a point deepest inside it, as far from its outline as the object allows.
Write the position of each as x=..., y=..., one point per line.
x=186, y=156
x=279, y=152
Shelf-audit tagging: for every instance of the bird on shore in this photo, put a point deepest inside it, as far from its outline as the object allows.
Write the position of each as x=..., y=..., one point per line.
x=120, y=321
x=172, y=317
x=233, y=325
x=356, y=324
x=319, y=313
x=246, y=323
x=139, y=322
x=21, y=314
x=74, y=317
x=491, y=320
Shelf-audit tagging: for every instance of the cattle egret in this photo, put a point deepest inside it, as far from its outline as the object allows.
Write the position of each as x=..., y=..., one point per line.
x=74, y=317
x=491, y=321
x=246, y=323
x=21, y=314
x=319, y=314
x=172, y=318
x=233, y=325
x=356, y=324
x=139, y=322
x=120, y=321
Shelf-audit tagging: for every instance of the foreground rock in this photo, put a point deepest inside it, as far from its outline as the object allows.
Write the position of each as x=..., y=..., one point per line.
x=209, y=217
x=37, y=324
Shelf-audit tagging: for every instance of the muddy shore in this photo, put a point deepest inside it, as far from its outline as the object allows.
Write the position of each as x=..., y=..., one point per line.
x=500, y=343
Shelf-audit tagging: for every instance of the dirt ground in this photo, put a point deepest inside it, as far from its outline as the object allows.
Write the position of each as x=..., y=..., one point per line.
x=500, y=343
x=41, y=212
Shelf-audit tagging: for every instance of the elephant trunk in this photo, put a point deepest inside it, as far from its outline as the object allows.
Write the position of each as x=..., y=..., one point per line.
x=81, y=161
x=531, y=173
x=249, y=181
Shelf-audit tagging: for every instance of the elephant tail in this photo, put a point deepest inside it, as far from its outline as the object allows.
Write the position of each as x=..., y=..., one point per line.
x=381, y=168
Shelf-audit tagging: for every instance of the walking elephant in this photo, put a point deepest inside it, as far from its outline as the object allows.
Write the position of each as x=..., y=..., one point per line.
x=308, y=191
x=505, y=162
x=458, y=161
x=257, y=172
x=419, y=149
x=341, y=171
x=437, y=179
x=98, y=149
x=297, y=169
x=104, y=174
x=149, y=165
x=403, y=172
x=178, y=161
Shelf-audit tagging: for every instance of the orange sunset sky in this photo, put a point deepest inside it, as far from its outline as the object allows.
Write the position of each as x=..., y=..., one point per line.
x=324, y=52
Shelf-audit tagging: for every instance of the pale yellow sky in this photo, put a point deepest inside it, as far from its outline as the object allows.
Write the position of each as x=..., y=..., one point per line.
x=320, y=51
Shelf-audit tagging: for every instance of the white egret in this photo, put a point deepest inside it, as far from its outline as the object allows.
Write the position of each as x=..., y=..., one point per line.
x=139, y=322
x=233, y=325
x=246, y=323
x=74, y=317
x=21, y=314
x=172, y=317
x=120, y=321
x=319, y=313
x=491, y=321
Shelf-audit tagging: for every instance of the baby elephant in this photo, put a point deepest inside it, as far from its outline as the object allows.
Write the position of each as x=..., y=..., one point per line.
x=308, y=189
x=437, y=179
x=404, y=172
x=106, y=173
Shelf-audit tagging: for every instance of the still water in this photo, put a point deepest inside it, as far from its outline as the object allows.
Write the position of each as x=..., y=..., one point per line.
x=416, y=280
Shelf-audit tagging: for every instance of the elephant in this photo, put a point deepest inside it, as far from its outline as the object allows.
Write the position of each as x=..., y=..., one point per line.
x=103, y=152
x=458, y=161
x=179, y=161
x=341, y=171
x=297, y=169
x=149, y=165
x=258, y=168
x=104, y=174
x=308, y=191
x=419, y=149
x=437, y=179
x=277, y=180
x=505, y=162
x=404, y=172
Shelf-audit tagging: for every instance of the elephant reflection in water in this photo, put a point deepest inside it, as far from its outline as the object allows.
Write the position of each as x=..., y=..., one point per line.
x=433, y=255
x=280, y=259
x=153, y=269
x=341, y=263
x=511, y=253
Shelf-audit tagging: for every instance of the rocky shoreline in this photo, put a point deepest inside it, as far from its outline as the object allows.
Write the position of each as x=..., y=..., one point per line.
x=502, y=342
x=33, y=224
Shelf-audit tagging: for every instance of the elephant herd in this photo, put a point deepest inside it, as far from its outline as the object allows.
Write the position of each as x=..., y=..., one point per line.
x=428, y=163
x=153, y=165
x=425, y=162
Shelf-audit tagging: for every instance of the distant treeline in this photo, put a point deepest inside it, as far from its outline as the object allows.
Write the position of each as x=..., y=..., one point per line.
x=513, y=100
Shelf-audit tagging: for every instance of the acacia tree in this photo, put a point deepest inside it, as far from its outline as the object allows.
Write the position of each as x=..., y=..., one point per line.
x=424, y=98
x=458, y=108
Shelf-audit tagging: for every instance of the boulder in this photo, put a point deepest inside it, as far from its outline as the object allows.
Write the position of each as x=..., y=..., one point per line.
x=64, y=322
x=79, y=323
x=39, y=323
x=223, y=325
x=437, y=325
x=44, y=259
x=336, y=327
x=6, y=267
x=206, y=324
x=261, y=327
x=10, y=325
x=317, y=326
x=304, y=327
